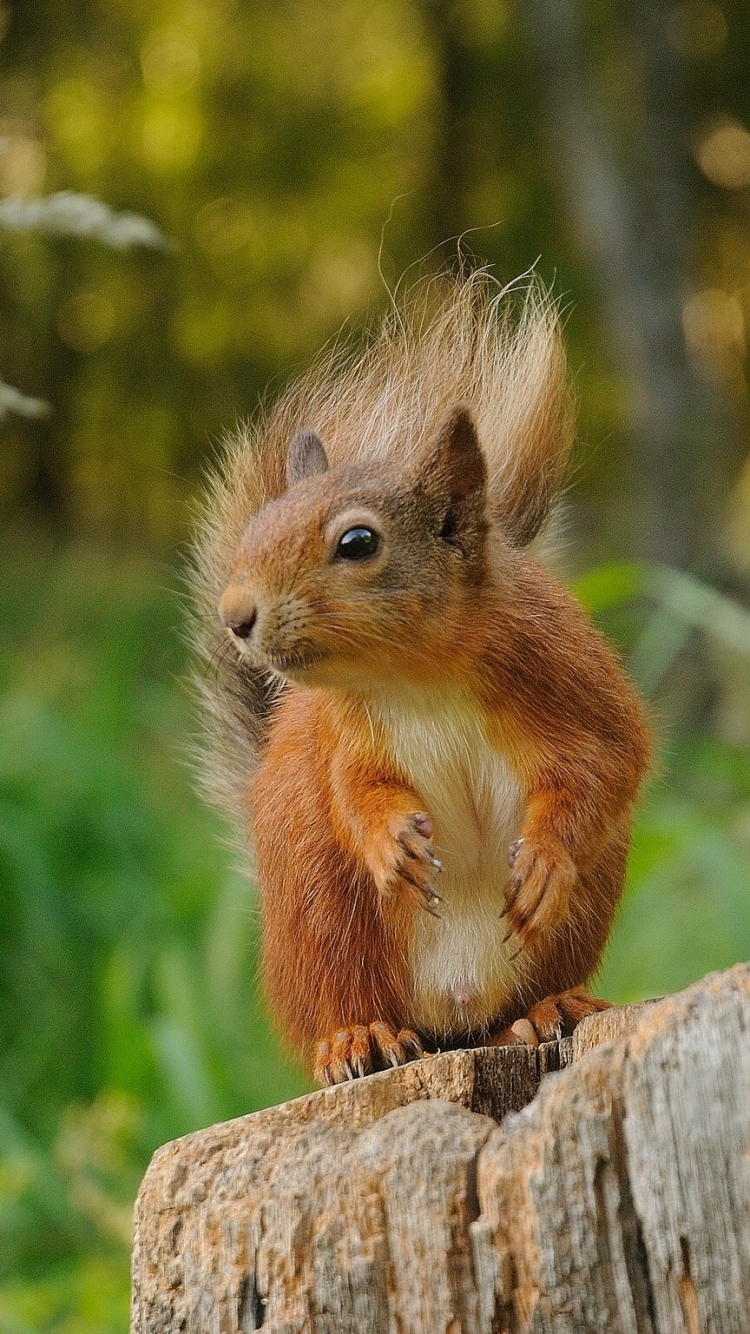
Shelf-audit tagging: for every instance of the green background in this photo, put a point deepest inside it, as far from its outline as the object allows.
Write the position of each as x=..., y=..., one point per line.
x=301, y=157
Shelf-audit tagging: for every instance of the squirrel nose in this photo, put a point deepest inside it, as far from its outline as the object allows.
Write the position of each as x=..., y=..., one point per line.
x=242, y=629
x=237, y=612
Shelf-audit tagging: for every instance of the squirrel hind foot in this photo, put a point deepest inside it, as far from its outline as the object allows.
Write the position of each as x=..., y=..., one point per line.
x=354, y=1052
x=550, y=1019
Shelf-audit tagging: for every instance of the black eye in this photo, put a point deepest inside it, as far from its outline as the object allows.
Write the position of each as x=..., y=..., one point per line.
x=358, y=544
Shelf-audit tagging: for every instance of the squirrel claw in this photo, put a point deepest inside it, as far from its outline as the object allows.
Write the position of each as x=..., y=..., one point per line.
x=511, y=890
x=538, y=892
x=429, y=900
x=514, y=850
x=411, y=1043
x=433, y=895
x=355, y=1052
x=550, y=1019
x=426, y=895
x=402, y=861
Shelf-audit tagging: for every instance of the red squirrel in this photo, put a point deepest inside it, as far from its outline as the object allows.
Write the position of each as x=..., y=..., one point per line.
x=434, y=753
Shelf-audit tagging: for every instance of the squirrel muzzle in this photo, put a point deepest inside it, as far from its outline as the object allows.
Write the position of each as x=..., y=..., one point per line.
x=272, y=630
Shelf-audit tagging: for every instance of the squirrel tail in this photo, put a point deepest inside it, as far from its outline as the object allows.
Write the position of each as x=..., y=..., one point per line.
x=448, y=339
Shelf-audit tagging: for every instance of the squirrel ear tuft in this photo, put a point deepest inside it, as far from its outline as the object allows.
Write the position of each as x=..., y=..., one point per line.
x=454, y=460
x=306, y=457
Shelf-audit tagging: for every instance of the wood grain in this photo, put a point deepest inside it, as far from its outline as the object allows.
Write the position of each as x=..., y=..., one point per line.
x=615, y=1196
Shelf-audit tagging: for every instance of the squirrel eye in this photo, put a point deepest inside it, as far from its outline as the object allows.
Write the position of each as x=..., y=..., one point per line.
x=358, y=544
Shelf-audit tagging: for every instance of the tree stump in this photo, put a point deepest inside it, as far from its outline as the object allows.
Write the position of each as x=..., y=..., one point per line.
x=614, y=1197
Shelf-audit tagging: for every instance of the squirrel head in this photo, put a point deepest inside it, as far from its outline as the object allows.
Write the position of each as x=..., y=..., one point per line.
x=356, y=576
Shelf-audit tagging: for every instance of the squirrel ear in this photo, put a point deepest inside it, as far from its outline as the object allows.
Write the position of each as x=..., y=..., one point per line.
x=455, y=461
x=306, y=457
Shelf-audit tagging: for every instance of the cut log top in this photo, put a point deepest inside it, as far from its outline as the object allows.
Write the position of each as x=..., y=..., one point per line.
x=617, y=1200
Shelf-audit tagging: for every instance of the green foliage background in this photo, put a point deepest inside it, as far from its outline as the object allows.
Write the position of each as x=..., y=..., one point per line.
x=298, y=155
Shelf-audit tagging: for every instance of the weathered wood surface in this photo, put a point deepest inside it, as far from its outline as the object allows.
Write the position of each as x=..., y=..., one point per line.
x=617, y=1200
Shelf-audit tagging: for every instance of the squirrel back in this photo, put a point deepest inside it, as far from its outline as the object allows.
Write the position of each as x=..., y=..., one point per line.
x=450, y=341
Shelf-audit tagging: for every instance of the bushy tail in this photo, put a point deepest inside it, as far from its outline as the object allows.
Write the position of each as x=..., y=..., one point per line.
x=449, y=340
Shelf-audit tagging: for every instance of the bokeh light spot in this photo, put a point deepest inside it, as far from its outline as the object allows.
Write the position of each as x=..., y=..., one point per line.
x=23, y=164
x=339, y=275
x=172, y=134
x=714, y=328
x=170, y=63
x=723, y=155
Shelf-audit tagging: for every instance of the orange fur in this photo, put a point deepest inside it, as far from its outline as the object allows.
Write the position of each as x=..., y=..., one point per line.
x=441, y=699
x=331, y=959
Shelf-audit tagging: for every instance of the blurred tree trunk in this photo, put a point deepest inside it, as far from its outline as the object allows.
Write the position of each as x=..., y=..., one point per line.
x=634, y=223
x=453, y=132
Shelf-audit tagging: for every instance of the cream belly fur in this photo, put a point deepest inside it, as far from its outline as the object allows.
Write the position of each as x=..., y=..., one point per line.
x=460, y=974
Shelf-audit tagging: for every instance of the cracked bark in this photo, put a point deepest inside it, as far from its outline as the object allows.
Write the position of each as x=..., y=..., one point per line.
x=614, y=1195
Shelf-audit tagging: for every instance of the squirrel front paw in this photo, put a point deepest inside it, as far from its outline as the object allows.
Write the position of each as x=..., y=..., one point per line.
x=354, y=1052
x=403, y=862
x=538, y=892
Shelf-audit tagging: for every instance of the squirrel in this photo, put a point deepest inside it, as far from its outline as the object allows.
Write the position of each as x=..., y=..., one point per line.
x=434, y=753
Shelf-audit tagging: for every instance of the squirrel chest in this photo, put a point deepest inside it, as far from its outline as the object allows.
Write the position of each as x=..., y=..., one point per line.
x=459, y=970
